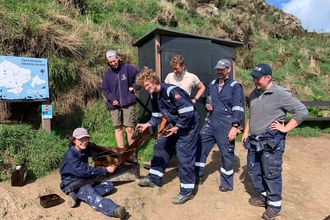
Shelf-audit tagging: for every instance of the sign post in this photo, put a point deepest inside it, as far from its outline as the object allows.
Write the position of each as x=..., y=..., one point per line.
x=46, y=115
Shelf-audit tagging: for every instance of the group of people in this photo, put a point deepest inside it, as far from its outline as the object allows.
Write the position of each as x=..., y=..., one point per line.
x=263, y=137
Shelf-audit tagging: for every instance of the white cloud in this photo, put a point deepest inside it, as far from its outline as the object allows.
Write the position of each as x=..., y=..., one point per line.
x=314, y=14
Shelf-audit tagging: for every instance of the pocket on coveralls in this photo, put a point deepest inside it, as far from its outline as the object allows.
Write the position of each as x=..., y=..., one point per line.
x=275, y=164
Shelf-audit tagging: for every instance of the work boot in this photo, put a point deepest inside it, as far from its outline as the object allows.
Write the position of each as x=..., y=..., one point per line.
x=224, y=189
x=147, y=165
x=257, y=202
x=270, y=214
x=146, y=182
x=73, y=201
x=199, y=180
x=180, y=199
x=119, y=212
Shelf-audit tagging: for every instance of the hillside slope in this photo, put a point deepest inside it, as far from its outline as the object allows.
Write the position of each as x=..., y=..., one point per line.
x=74, y=36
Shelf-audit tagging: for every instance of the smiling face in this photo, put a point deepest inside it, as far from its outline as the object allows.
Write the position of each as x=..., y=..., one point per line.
x=263, y=82
x=81, y=144
x=150, y=87
x=113, y=62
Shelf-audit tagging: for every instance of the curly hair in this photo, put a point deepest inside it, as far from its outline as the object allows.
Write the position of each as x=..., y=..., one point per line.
x=147, y=75
x=177, y=59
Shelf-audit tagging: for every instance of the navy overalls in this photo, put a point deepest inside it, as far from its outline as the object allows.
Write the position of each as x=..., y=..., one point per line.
x=265, y=158
x=74, y=169
x=175, y=105
x=228, y=108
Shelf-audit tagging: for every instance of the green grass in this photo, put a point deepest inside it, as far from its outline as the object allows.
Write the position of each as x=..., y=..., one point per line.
x=305, y=130
x=40, y=151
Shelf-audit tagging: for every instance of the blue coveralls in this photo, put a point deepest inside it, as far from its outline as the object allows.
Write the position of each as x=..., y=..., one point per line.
x=175, y=105
x=228, y=108
x=75, y=169
x=265, y=158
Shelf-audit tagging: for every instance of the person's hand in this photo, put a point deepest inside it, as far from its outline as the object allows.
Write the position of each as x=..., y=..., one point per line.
x=208, y=107
x=171, y=131
x=115, y=103
x=142, y=127
x=232, y=134
x=193, y=101
x=111, y=168
x=130, y=89
x=245, y=135
x=276, y=125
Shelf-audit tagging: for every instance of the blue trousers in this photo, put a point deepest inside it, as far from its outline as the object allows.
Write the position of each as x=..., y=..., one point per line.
x=211, y=133
x=93, y=194
x=265, y=170
x=184, y=142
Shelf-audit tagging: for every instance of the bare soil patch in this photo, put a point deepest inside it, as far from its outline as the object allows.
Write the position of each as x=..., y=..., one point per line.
x=306, y=185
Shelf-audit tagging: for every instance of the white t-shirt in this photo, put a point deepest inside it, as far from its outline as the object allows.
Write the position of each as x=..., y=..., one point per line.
x=186, y=81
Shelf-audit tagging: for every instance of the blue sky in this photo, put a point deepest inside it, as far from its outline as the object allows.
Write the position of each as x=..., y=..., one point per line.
x=313, y=14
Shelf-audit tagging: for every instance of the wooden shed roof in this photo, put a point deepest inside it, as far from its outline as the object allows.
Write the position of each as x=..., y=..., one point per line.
x=173, y=33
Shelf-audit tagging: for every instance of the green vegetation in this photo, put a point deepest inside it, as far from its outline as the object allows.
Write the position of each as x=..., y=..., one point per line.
x=40, y=151
x=75, y=34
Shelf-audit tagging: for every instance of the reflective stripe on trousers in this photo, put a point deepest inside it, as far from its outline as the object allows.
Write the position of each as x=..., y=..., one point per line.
x=209, y=135
x=185, y=146
x=265, y=170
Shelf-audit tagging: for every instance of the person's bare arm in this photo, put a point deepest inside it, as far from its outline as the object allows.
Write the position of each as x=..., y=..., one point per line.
x=201, y=88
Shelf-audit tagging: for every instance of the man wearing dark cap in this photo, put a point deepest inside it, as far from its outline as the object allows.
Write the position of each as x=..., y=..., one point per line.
x=268, y=104
x=225, y=114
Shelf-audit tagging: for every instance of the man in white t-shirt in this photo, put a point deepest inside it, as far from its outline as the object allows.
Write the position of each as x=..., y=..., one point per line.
x=183, y=79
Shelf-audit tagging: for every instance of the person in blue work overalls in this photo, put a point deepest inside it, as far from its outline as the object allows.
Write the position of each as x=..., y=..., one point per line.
x=75, y=169
x=225, y=112
x=174, y=104
x=264, y=137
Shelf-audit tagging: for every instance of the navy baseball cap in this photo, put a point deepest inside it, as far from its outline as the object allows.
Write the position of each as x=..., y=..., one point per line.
x=261, y=70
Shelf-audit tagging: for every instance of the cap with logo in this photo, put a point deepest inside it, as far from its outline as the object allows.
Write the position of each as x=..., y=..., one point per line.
x=79, y=133
x=223, y=64
x=261, y=70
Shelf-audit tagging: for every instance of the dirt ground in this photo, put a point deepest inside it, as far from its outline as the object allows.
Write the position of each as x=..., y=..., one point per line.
x=306, y=191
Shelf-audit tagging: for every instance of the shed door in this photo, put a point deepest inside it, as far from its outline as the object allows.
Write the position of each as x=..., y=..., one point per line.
x=198, y=59
x=196, y=52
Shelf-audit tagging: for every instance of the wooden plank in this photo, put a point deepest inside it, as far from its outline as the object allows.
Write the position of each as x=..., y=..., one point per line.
x=99, y=178
x=312, y=119
x=316, y=103
x=138, y=141
x=46, y=125
x=317, y=119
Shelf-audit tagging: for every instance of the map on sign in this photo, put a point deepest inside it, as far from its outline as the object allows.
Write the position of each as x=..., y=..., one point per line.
x=23, y=79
